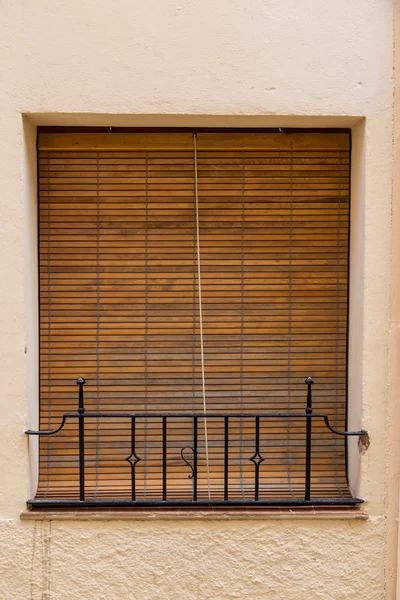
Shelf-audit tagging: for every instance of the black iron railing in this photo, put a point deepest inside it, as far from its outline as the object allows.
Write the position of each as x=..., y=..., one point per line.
x=189, y=454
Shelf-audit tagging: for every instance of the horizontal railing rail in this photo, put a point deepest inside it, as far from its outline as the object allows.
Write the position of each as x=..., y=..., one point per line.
x=81, y=415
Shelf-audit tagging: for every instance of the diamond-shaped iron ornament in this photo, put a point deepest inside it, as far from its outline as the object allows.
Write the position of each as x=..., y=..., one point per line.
x=257, y=459
x=134, y=462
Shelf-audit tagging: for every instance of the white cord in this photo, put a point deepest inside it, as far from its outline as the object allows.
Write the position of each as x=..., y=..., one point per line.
x=203, y=379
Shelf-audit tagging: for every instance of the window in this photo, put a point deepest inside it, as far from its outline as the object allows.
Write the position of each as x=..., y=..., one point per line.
x=120, y=306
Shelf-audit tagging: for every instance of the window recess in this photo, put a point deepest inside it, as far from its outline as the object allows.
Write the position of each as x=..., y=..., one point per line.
x=193, y=281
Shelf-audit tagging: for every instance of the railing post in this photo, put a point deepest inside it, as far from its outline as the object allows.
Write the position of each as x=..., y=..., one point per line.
x=226, y=459
x=307, y=496
x=195, y=450
x=164, y=458
x=81, y=409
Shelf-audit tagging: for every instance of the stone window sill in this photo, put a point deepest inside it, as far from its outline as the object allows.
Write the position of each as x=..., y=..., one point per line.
x=276, y=513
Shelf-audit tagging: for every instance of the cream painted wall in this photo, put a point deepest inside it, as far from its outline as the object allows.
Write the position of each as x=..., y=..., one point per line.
x=256, y=62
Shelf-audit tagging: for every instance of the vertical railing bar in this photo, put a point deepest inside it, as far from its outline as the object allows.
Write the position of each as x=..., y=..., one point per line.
x=81, y=410
x=164, y=458
x=226, y=459
x=133, y=453
x=307, y=494
x=257, y=464
x=257, y=459
x=195, y=459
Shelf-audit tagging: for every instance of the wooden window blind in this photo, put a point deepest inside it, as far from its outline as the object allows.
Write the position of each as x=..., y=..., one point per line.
x=119, y=303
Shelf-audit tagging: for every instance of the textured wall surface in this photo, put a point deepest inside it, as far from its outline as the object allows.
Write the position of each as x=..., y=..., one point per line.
x=298, y=62
x=205, y=561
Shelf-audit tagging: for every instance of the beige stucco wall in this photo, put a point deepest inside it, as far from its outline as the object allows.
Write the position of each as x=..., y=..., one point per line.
x=255, y=62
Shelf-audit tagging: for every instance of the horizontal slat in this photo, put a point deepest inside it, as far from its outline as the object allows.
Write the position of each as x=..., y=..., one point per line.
x=184, y=141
